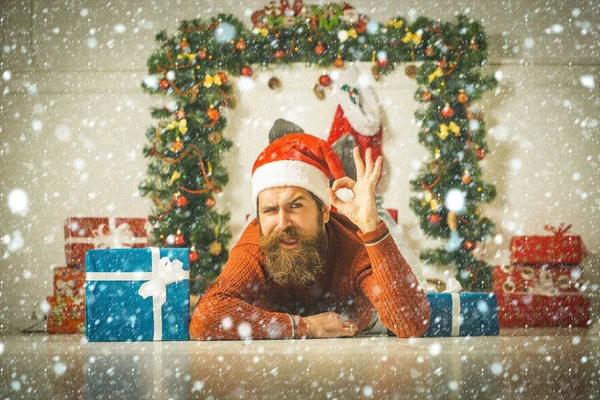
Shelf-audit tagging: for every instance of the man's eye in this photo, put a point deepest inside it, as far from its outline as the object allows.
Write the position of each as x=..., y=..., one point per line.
x=296, y=205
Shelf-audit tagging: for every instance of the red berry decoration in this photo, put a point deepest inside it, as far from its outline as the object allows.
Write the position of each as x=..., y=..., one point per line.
x=447, y=112
x=163, y=84
x=466, y=179
x=426, y=96
x=324, y=80
x=210, y=202
x=339, y=63
x=213, y=114
x=179, y=240
x=202, y=54
x=194, y=256
x=246, y=71
x=279, y=53
x=223, y=77
x=480, y=153
x=181, y=201
x=434, y=219
x=183, y=44
x=462, y=97
x=468, y=245
x=319, y=49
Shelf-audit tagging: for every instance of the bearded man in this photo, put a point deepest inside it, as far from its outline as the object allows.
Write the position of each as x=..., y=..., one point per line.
x=301, y=270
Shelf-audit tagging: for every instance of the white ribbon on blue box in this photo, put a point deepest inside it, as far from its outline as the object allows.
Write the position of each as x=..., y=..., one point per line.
x=137, y=294
x=462, y=314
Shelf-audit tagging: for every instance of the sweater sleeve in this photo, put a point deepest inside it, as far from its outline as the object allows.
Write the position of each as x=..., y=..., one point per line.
x=235, y=308
x=385, y=277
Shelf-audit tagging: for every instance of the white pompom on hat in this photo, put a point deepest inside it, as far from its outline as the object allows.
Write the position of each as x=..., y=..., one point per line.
x=296, y=159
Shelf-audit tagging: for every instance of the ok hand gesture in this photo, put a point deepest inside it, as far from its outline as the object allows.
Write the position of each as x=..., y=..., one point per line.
x=361, y=210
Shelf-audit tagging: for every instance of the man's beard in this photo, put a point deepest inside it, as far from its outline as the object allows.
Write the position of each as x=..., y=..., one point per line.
x=300, y=265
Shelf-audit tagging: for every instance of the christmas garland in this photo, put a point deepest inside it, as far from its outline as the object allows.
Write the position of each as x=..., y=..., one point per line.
x=194, y=68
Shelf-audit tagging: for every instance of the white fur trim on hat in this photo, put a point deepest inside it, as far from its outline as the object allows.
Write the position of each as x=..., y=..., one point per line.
x=290, y=173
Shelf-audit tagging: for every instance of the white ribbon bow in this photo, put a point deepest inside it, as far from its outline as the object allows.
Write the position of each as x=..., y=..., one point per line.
x=164, y=272
x=453, y=286
x=117, y=237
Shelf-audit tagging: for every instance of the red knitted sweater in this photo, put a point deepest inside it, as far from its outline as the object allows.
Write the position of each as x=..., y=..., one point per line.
x=362, y=271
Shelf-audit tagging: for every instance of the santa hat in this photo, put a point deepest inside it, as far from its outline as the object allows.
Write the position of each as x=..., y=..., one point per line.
x=297, y=159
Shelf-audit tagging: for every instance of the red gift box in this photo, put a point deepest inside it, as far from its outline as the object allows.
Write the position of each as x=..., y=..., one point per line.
x=556, y=249
x=537, y=310
x=538, y=280
x=69, y=282
x=83, y=234
x=65, y=316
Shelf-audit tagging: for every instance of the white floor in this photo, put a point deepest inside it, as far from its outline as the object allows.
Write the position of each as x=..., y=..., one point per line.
x=519, y=364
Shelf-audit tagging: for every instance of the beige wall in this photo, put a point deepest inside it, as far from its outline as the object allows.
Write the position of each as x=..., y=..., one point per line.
x=73, y=118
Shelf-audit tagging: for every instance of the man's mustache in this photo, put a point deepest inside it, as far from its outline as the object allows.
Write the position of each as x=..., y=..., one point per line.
x=289, y=233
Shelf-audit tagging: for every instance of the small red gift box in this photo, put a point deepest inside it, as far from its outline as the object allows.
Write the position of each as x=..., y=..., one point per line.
x=66, y=316
x=537, y=310
x=556, y=249
x=535, y=279
x=69, y=282
x=83, y=234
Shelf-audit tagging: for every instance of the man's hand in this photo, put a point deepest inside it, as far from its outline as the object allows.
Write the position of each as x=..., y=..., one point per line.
x=329, y=325
x=362, y=209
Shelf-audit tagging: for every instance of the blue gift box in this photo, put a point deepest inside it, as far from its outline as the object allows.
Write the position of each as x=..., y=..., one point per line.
x=137, y=294
x=463, y=314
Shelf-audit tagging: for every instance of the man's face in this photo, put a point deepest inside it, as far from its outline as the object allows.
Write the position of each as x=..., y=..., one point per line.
x=293, y=234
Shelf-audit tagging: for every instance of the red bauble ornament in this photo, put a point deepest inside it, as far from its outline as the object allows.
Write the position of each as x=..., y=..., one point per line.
x=426, y=96
x=210, y=202
x=480, y=153
x=279, y=53
x=183, y=44
x=180, y=114
x=339, y=63
x=240, y=45
x=194, y=256
x=181, y=201
x=319, y=49
x=434, y=219
x=163, y=84
x=325, y=80
x=382, y=62
x=179, y=240
x=468, y=245
x=246, y=71
x=466, y=179
x=213, y=114
x=462, y=97
x=223, y=77
x=447, y=112
x=442, y=63
x=202, y=54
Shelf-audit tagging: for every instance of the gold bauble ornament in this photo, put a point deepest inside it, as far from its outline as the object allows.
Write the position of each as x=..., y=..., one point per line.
x=411, y=71
x=214, y=137
x=215, y=248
